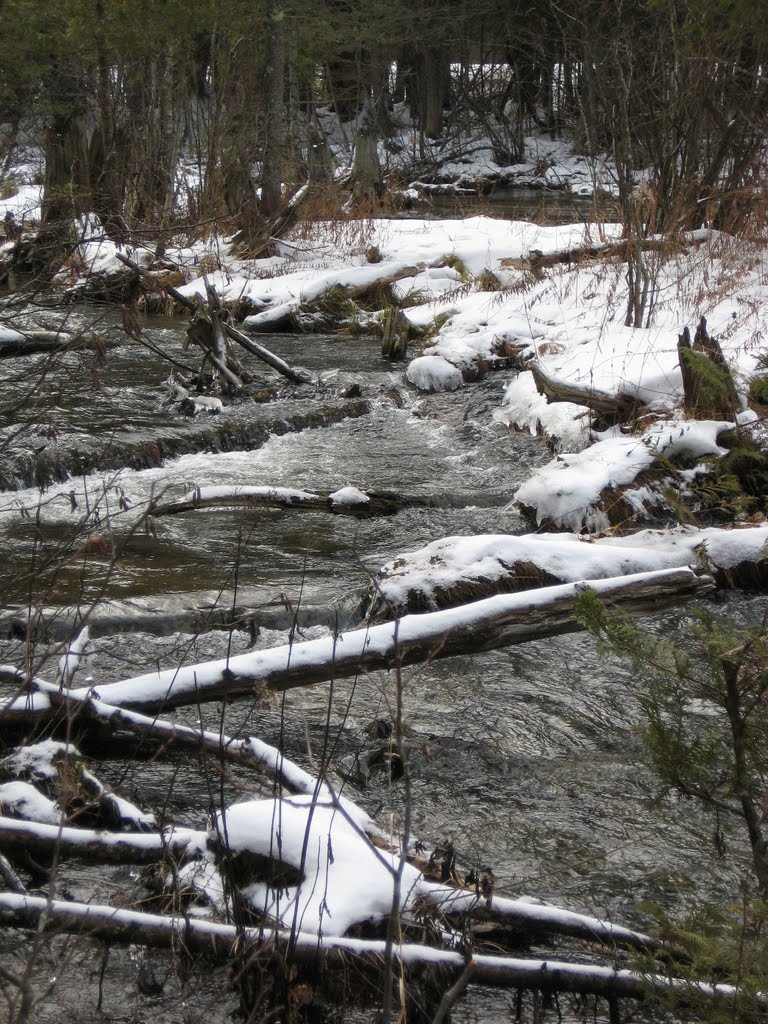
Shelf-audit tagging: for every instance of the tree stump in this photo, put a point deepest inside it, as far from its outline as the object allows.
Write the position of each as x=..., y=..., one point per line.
x=708, y=388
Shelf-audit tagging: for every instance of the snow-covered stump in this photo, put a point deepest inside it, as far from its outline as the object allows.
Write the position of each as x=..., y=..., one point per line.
x=602, y=486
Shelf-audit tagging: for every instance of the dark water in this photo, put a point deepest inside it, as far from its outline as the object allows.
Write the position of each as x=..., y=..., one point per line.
x=526, y=759
x=541, y=206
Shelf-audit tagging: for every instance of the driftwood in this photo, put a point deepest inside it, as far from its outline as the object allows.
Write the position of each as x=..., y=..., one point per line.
x=615, y=407
x=218, y=941
x=278, y=364
x=370, y=503
x=496, y=622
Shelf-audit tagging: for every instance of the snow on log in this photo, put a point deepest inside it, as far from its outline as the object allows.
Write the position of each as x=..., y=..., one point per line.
x=454, y=570
x=484, y=625
x=452, y=903
x=89, y=844
x=30, y=341
x=218, y=941
x=348, y=283
x=533, y=916
x=615, y=405
x=344, y=501
x=248, y=751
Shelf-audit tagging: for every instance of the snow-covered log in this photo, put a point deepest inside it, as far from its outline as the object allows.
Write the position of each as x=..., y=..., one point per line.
x=350, y=285
x=31, y=341
x=454, y=904
x=483, y=625
x=453, y=570
x=615, y=405
x=348, y=501
x=218, y=941
x=89, y=844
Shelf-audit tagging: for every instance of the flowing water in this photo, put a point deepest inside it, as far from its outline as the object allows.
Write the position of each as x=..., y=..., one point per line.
x=526, y=759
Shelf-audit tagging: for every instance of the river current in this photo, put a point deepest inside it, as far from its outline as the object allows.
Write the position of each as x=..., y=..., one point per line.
x=526, y=759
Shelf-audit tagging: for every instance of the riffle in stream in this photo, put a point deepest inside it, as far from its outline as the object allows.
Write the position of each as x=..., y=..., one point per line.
x=525, y=759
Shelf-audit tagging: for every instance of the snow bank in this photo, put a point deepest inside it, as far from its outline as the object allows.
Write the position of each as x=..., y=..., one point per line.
x=426, y=577
x=567, y=491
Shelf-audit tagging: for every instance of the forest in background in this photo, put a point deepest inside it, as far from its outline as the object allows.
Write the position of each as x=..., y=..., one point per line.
x=245, y=92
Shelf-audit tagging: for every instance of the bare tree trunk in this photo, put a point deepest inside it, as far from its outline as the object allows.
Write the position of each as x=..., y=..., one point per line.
x=272, y=168
x=366, y=169
x=434, y=82
x=485, y=625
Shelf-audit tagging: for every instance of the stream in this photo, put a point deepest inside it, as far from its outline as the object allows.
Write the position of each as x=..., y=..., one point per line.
x=526, y=759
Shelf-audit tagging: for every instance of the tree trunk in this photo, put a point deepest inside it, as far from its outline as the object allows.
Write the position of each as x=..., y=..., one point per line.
x=485, y=625
x=434, y=84
x=272, y=168
x=218, y=941
x=366, y=169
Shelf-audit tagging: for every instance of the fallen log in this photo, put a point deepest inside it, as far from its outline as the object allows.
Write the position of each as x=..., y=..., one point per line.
x=481, y=626
x=30, y=342
x=18, y=836
x=220, y=942
x=347, y=501
x=618, y=408
x=278, y=364
x=340, y=286
x=455, y=904
x=454, y=570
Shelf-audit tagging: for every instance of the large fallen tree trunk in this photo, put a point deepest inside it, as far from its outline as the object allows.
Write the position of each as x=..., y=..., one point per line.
x=484, y=625
x=220, y=941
